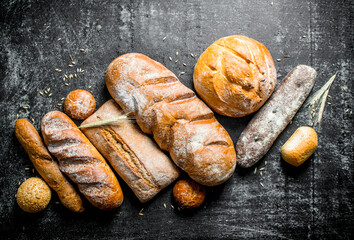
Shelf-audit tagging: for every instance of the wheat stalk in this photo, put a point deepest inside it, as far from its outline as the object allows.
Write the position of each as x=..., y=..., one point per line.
x=317, y=101
x=106, y=122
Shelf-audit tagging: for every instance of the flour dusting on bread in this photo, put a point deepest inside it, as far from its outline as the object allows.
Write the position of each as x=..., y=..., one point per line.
x=79, y=159
x=180, y=122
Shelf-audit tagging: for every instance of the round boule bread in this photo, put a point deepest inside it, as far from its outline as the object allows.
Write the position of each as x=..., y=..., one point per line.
x=235, y=76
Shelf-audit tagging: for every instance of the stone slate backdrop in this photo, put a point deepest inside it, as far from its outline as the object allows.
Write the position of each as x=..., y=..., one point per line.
x=314, y=201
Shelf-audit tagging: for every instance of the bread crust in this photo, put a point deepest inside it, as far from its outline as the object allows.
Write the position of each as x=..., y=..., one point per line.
x=180, y=122
x=79, y=104
x=46, y=166
x=132, y=154
x=81, y=161
x=235, y=76
x=189, y=194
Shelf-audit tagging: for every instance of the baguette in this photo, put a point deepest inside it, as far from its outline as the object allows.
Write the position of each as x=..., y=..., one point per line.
x=179, y=121
x=48, y=168
x=133, y=155
x=80, y=160
x=264, y=128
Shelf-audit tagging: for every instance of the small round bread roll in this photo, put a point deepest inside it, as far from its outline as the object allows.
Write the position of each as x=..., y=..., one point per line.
x=300, y=146
x=79, y=104
x=188, y=194
x=235, y=76
x=33, y=195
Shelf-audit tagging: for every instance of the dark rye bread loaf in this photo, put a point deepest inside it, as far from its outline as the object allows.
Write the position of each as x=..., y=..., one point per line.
x=264, y=128
x=180, y=122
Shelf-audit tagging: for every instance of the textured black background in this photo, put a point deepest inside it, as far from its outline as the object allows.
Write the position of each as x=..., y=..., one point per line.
x=313, y=201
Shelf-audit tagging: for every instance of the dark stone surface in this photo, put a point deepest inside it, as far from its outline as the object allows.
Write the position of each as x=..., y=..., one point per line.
x=314, y=201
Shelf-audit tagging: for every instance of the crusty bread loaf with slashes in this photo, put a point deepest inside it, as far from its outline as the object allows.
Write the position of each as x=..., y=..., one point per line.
x=46, y=166
x=235, y=76
x=180, y=122
x=81, y=161
x=134, y=155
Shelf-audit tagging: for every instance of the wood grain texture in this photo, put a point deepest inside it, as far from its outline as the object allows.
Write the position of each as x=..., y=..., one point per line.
x=314, y=201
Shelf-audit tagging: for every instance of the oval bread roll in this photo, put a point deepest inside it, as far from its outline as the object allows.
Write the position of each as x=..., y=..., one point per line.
x=235, y=76
x=300, y=146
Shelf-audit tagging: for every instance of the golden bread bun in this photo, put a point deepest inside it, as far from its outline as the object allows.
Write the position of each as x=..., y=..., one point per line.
x=33, y=195
x=189, y=194
x=235, y=76
x=79, y=104
x=300, y=146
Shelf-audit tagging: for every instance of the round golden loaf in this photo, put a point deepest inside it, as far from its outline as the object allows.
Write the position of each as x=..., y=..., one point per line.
x=235, y=76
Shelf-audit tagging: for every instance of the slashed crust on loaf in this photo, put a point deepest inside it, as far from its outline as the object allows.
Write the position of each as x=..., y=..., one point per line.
x=180, y=122
x=80, y=160
x=133, y=155
x=235, y=76
x=46, y=166
x=130, y=158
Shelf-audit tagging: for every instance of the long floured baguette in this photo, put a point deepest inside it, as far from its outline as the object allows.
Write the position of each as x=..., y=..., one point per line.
x=81, y=161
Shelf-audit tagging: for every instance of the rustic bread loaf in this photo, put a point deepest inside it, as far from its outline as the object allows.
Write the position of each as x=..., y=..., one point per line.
x=235, y=76
x=80, y=160
x=180, y=122
x=46, y=166
x=134, y=156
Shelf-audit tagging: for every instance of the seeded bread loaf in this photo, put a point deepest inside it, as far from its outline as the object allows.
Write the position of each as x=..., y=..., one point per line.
x=133, y=155
x=179, y=121
x=81, y=161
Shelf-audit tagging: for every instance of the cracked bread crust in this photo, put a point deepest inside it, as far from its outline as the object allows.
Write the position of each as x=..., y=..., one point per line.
x=235, y=76
x=179, y=121
x=133, y=155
